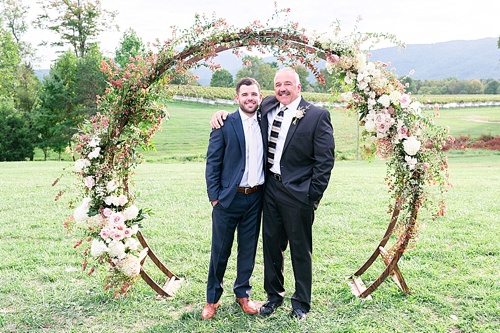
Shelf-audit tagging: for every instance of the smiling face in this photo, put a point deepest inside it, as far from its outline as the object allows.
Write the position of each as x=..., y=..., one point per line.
x=286, y=86
x=248, y=98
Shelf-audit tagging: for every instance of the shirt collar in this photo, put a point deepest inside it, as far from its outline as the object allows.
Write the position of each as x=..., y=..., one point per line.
x=244, y=117
x=294, y=105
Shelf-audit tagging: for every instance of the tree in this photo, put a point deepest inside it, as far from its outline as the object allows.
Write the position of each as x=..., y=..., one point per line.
x=9, y=62
x=409, y=83
x=16, y=138
x=303, y=76
x=68, y=96
x=258, y=69
x=492, y=87
x=13, y=15
x=130, y=45
x=77, y=22
x=222, y=78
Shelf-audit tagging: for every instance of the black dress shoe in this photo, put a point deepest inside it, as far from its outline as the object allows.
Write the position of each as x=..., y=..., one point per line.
x=298, y=314
x=268, y=308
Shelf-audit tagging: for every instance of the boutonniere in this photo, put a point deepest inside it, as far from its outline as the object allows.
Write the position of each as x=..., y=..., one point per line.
x=301, y=112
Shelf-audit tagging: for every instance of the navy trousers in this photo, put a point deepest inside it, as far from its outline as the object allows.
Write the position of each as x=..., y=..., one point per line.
x=243, y=216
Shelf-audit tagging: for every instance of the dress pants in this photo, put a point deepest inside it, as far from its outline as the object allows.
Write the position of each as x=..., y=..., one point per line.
x=243, y=215
x=286, y=220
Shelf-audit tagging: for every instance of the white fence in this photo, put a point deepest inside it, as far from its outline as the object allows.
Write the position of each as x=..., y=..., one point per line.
x=330, y=104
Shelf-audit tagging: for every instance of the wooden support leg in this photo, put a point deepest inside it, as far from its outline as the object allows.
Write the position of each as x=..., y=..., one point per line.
x=172, y=283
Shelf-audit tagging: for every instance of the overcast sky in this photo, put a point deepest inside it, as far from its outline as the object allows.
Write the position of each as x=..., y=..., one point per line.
x=412, y=21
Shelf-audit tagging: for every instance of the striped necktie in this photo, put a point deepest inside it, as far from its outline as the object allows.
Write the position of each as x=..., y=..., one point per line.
x=273, y=138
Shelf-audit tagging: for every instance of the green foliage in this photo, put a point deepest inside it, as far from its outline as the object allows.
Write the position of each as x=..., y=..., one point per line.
x=68, y=96
x=261, y=71
x=492, y=87
x=222, y=78
x=16, y=138
x=13, y=15
x=77, y=22
x=130, y=46
x=9, y=60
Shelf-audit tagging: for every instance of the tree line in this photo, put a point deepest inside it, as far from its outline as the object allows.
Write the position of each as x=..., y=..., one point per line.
x=45, y=114
x=264, y=72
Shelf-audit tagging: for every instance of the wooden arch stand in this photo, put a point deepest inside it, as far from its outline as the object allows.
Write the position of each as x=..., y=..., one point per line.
x=357, y=286
x=172, y=282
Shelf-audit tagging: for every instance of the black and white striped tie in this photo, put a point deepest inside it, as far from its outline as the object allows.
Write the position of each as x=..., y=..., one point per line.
x=273, y=138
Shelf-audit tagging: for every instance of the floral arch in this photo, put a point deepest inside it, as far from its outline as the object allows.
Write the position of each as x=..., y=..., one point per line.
x=129, y=114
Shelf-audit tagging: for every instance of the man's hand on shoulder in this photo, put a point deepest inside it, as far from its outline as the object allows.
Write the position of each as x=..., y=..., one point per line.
x=217, y=120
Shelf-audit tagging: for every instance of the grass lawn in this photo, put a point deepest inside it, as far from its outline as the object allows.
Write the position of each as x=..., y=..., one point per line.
x=453, y=271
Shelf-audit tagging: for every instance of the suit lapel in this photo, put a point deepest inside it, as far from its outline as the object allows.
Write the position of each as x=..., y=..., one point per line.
x=238, y=129
x=293, y=127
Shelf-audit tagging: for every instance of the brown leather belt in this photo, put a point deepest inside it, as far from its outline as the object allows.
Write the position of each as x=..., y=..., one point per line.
x=250, y=190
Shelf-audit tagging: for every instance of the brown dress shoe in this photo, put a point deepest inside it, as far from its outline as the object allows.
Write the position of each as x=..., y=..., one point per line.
x=247, y=306
x=209, y=310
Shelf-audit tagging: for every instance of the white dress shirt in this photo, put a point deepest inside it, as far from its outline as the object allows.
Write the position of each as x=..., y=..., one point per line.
x=285, y=125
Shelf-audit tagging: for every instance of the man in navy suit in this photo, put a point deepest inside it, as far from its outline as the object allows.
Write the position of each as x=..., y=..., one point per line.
x=235, y=178
x=298, y=171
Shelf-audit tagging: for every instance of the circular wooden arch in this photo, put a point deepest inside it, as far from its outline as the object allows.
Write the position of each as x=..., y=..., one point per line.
x=130, y=104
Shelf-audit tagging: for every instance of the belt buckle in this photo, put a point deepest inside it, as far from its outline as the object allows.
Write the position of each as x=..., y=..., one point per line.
x=277, y=177
x=248, y=190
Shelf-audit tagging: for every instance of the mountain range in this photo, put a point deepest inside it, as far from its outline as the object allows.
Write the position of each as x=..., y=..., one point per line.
x=460, y=59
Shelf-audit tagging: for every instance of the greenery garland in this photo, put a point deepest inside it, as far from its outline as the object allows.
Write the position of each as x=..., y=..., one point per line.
x=107, y=144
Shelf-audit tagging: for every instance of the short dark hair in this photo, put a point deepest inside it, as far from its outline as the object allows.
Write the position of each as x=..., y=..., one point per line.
x=247, y=81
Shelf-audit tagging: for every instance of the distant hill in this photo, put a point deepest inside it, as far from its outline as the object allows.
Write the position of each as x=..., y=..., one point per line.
x=461, y=59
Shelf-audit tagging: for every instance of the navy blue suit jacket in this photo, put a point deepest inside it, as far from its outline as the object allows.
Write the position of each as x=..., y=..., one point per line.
x=225, y=160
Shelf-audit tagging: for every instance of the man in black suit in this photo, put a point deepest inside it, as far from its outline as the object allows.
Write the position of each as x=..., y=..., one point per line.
x=300, y=158
x=235, y=177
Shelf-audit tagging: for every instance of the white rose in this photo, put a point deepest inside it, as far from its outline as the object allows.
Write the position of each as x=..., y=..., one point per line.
x=116, y=249
x=98, y=248
x=384, y=100
x=370, y=126
x=81, y=164
x=122, y=200
x=395, y=97
x=131, y=212
x=411, y=145
x=94, y=142
x=112, y=185
x=111, y=200
x=95, y=153
x=132, y=244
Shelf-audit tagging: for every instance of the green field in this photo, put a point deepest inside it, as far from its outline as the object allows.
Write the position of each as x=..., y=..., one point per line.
x=184, y=137
x=452, y=271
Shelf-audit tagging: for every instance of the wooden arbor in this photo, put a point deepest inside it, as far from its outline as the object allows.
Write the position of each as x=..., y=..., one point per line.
x=203, y=44
x=172, y=282
x=390, y=258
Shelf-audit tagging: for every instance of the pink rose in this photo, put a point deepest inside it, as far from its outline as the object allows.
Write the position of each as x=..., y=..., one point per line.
x=89, y=182
x=107, y=212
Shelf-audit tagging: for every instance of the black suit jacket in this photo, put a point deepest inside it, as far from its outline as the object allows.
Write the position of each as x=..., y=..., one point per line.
x=308, y=153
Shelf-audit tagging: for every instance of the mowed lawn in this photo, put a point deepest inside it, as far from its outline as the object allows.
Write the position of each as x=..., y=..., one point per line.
x=452, y=271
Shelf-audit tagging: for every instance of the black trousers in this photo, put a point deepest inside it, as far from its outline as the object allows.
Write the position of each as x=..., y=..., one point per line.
x=287, y=221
